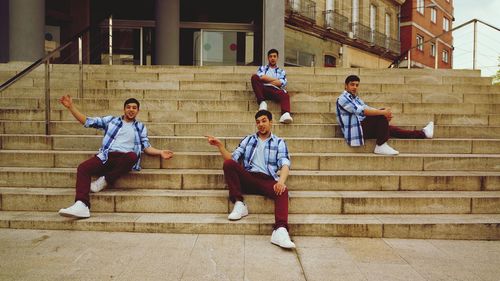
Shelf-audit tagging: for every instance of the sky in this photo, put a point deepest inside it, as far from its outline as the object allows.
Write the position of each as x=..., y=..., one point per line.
x=488, y=39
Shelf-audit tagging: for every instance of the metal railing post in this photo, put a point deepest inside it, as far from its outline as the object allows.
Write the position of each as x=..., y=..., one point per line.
x=474, y=57
x=80, y=62
x=111, y=40
x=141, y=46
x=47, y=97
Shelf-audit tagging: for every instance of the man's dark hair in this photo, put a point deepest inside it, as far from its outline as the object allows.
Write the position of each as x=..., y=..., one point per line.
x=132, y=100
x=262, y=113
x=352, y=78
x=272, y=51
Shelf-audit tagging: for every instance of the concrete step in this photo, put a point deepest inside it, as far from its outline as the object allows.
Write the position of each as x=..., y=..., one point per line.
x=464, y=226
x=237, y=129
x=184, y=116
x=382, y=78
x=296, y=145
x=188, y=179
x=300, y=161
x=216, y=201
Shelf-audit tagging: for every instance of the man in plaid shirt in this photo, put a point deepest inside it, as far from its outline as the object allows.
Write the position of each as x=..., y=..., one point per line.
x=124, y=140
x=359, y=121
x=264, y=156
x=269, y=83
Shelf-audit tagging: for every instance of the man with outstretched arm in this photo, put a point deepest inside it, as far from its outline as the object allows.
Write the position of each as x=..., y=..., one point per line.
x=269, y=83
x=264, y=157
x=359, y=121
x=125, y=138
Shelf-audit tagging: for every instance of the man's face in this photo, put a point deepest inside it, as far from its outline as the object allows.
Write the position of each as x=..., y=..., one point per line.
x=352, y=87
x=273, y=59
x=263, y=125
x=130, y=111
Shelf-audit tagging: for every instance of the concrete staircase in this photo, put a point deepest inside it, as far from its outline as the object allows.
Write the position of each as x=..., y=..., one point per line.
x=447, y=187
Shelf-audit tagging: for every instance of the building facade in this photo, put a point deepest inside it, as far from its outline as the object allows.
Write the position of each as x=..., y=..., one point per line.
x=344, y=33
x=421, y=22
x=337, y=33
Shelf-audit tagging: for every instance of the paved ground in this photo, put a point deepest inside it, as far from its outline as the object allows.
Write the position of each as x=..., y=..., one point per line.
x=75, y=255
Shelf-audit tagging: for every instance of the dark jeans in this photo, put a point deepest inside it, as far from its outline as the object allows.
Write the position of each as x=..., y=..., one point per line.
x=240, y=180
x=267, y=92
x=377, y=127
x=118, y=164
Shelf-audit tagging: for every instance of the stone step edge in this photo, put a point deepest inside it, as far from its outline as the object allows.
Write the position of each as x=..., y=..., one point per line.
x=470, y=227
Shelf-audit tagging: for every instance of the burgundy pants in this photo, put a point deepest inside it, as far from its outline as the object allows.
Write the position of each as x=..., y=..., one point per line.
x=267, y=92
x=377, y=127
x=117, y=165
x=240, y=180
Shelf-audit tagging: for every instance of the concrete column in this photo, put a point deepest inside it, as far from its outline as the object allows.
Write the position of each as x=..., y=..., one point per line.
x=4, y=31
x=273, y=29
x=26, y=30
x=167, y=32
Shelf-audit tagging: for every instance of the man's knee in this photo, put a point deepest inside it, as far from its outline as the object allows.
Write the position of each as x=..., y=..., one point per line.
x=229, y=164
x=255, y=77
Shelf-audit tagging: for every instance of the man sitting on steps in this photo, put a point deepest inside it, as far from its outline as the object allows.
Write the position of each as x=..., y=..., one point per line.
x=264, y=157
x=359, y=121
x=124, y=140
x=269, y=83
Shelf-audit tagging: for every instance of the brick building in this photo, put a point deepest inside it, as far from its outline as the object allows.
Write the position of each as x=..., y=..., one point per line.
x=421, y=21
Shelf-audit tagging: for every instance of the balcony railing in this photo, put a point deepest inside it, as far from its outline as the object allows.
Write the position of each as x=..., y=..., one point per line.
x=361, y=31
x=336, y=21
x=305, y=8
x=378, y=39
x=393, y=45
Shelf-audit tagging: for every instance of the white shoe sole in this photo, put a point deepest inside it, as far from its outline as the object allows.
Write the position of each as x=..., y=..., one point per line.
x=69, y=215
x=282, y=246
x=242, y=216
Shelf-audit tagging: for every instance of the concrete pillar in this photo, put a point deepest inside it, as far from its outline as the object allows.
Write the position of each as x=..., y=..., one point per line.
x=4, y=31
x=26, y=30
x=167, y=32
x=273, y=29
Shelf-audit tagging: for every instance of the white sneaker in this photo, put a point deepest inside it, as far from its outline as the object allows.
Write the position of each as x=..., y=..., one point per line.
x=385, y=149
x=281, y=238
x=286, y=118
x=263, y=105
x=77, y=210
x=240, y=210
x=98, y=185
x=429, y=130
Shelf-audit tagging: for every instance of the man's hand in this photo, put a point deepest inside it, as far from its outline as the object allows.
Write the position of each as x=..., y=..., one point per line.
x=276, y=83
x=388, y=114
x=166, y=154
x=279, y=188
x=66, y=100
x=213, y=141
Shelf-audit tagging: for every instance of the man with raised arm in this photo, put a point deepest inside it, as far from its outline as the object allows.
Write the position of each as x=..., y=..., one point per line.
x=269, y=83
x=359, y=121
x=125, y=138
x=265, y=169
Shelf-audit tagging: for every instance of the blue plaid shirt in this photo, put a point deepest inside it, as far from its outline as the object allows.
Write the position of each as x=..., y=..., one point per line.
x=276, y=153
x=349, y=116
x=275, y=73
x=111, y=125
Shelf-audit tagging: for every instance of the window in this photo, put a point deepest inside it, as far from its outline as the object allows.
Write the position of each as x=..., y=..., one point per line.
x=420, y=43
x=433, y=15
x=355, y=11
x=330, y=61
x=446, y=24
x=387, y=25
x=445, y=56
x=433, y=50
x=373, y=17
x=420, y=6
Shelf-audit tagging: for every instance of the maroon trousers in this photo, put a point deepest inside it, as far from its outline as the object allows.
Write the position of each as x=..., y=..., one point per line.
x=377, y=127
x=267, y=92
x=118, y=164
x=240, y=180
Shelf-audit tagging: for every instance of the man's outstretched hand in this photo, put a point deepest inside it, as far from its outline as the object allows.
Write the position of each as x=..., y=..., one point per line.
x=66, y=100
